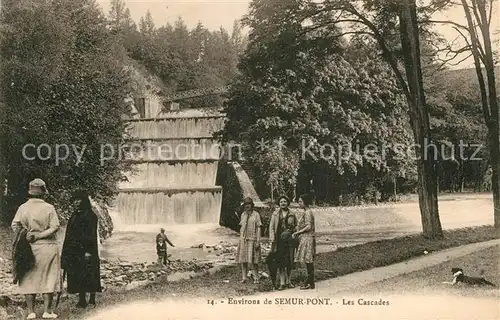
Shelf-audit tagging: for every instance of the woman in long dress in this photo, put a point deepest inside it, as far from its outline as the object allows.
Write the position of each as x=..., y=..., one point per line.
x=39, y=218
x=306, y=250
x=281, y=227
x=249, y=244
x=80, y=256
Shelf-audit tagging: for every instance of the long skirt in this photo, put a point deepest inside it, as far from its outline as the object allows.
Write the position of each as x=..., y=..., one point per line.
x=45, y=276
x=285, y=251
x=306, y=249
x=247, y=252
x=85, y=277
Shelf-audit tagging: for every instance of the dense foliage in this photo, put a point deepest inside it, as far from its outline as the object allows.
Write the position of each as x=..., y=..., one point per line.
x=339, y=118
x=183, y=59
x=303, y=83
x=63, y=83
x=456, y=119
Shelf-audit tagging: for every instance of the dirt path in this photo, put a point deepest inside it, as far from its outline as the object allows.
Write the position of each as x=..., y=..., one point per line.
x=359, y=280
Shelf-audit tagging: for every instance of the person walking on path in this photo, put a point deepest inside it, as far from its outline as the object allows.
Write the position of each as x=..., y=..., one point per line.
x=80, y=254
x=161, y=247
x=281, y=227
x=306, y=250
x=40, y=220
x=249, y=245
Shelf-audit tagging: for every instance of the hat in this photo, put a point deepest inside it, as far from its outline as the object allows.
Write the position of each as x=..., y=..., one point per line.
x=37, y=187
x=248, y=201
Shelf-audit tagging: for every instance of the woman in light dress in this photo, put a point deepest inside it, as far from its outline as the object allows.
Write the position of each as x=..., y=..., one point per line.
x=249, y=245
x=306, y=250
x=39, y=218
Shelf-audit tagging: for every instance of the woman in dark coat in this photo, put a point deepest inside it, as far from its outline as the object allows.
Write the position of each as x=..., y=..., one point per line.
x=281, y=227
x=80, y=256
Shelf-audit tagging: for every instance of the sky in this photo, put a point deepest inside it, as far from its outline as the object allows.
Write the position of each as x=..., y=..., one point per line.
x=219, y=13
x=212, y=13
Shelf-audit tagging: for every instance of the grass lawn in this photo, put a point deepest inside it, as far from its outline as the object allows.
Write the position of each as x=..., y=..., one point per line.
x=225, y=282
x=484, y=263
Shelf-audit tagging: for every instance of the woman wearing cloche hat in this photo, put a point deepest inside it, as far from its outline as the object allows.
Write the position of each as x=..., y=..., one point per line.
x=40, y=220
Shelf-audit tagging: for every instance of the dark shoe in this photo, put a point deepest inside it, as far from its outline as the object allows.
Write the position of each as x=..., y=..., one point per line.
x=81, y=304
x=92, y=299
x=304, y=285
x=307, y=287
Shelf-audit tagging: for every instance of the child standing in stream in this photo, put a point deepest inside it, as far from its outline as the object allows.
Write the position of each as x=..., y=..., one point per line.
x=161, y=247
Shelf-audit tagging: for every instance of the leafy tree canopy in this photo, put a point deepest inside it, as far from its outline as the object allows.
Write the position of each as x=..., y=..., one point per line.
x=63, y=83
x=304, y=88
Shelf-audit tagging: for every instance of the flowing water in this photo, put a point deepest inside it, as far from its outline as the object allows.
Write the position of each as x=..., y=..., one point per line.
x=137, y=243
x=159, y=207
x=193, y=127
x=335, y=227
x=175, y=149
x=174, y=173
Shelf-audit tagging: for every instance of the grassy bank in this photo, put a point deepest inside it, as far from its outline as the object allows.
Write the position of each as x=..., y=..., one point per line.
x=224, y=282
x=484, y=263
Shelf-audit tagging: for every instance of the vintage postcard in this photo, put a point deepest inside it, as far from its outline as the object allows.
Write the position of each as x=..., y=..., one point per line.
x=269, y=159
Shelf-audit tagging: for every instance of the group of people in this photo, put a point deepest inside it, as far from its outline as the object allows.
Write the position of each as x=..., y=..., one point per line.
x=292, y=241
x=39, y=265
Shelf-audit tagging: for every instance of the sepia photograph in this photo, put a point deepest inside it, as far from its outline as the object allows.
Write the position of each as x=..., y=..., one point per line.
x=269, y=159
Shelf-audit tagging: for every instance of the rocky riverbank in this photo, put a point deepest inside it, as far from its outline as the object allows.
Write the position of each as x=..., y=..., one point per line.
x=118, y=274
x=124, y=275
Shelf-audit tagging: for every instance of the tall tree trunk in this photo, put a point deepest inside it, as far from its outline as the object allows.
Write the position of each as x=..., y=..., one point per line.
x=437, y=184
x=483, y=174
x=412, y=87
x=395, y=187
x=3, y=165
x=2, y=179
x=461, y=175
x=488, y=97
x=420, y=121
x=480, y=177
x=493, y=101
